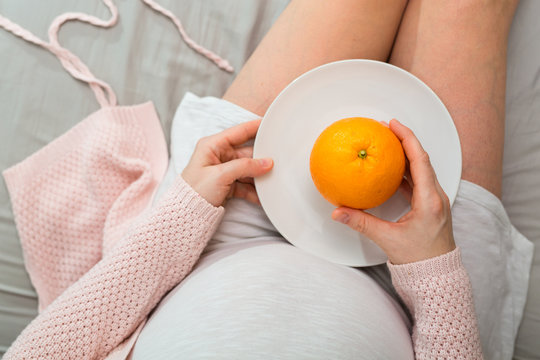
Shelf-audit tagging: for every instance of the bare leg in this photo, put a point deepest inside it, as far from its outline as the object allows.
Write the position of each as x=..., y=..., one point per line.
x=458, y=48
x=310, y=33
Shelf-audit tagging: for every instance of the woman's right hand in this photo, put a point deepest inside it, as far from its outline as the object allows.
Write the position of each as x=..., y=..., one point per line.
x=426, y=230
x=222, y=166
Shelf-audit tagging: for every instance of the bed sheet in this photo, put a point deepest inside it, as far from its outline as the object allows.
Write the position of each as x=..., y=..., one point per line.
x=143, y=58
x=521, y=167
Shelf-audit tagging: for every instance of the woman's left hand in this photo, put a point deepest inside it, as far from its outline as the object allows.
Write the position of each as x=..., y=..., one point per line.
x=426, y=230
x=221, y=168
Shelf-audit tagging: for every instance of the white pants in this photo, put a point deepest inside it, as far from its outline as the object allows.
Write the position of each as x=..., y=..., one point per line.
x=255, y=296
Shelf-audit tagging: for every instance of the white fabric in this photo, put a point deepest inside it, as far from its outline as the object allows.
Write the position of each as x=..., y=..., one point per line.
x=498, y=259
x=218, y=309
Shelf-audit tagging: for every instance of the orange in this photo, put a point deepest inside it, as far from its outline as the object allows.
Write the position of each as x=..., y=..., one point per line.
x=357, y=162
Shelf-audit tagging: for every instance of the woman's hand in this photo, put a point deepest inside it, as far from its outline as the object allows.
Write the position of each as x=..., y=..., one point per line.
x=426, y=230
x=221, y=168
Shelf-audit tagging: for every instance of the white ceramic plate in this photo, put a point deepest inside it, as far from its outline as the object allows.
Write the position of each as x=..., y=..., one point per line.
x=304, y=109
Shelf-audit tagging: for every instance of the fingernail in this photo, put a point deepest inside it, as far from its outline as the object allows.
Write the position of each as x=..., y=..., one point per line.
x=343, y=218
x=265, y=162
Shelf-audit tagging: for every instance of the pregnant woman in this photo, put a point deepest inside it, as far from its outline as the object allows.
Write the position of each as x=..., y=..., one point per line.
x=254, y=296
x=274, y=301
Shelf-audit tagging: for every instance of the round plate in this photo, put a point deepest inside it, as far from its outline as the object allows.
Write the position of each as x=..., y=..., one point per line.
x=304, y=109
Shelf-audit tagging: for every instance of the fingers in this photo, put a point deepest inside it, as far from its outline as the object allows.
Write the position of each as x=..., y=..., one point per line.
x=406, y=190
x=422, y=172
x=245, y=191
x=243, y=152
x=244, y=168
x=229, y=153
x=222, y=165
x=407, y=174
x=364, y=223
x=226, y=145
x=246, y=180
x=406, y=186
x=239, y=134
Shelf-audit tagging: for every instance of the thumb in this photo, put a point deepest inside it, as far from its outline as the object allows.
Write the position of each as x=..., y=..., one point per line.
x=366, y=224
x=244, y=168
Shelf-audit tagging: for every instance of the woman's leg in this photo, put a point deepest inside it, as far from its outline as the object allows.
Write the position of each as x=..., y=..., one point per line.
x=458, y=48
x=310, y=33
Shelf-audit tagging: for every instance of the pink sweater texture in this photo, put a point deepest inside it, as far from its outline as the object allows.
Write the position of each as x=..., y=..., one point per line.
x=101, y=259
x=438, y=294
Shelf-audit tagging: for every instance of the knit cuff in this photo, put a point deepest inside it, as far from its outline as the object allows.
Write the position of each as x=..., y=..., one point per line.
x=194, y=203
x=445, y=264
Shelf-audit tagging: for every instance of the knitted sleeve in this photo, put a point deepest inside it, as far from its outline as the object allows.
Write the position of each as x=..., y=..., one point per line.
x=107, y=304
x=438, y=293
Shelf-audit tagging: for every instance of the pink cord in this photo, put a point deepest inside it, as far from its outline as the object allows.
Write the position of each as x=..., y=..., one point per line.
x=70, y=61
x=77, y=68
x=219, y=61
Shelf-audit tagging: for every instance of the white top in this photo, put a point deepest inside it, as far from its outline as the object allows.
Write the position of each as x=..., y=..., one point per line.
x=275, y=301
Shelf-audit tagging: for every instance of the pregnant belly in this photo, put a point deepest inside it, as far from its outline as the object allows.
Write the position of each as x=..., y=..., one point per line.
x=275, y=301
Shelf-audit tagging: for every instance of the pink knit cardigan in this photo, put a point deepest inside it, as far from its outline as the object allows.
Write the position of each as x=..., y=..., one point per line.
x=101, y=259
